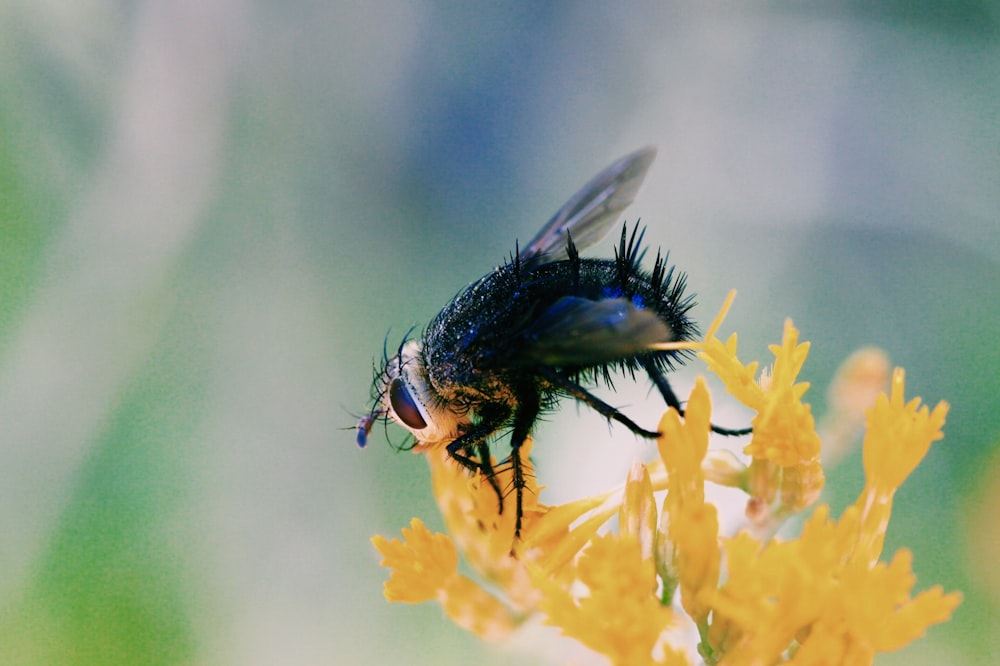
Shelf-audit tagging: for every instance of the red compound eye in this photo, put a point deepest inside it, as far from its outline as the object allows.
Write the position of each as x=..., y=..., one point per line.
x=404, y=406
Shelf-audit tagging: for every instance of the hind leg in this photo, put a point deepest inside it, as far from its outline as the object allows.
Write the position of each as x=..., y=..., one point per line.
x=671, y=399
x=604, y=409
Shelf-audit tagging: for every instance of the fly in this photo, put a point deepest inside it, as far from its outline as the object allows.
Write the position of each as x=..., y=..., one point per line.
x=545, y=325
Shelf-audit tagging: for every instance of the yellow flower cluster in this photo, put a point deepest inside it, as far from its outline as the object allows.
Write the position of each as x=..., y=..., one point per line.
x=821, y=598
x=785, y=475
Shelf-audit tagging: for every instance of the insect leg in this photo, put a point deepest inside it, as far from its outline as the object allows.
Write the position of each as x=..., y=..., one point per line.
x=475, y=439
x=671, y=399
x=529, y=405
x=486, y=469
x=592, y=401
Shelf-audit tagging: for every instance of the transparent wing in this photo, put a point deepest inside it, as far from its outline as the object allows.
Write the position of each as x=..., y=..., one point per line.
x=581, y=332
x=590, y=213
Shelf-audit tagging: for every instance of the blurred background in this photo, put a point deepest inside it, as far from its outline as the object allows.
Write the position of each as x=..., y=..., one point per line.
x=211, y=213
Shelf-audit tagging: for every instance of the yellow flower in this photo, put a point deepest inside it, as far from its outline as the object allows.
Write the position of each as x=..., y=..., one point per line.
x=783, y=430
x=422, y=563
x=785, y=475
x=637, y=516
x=859, y=380
x=425, y=566
x=484, y=535
x=809, y=600
x=772, y=592
x=823, y=597
x=608, y=605
x=878, y=610
x=898, y=436
x=692, y=526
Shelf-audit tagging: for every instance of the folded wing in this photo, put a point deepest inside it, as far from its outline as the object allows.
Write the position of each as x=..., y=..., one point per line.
x=577, y=331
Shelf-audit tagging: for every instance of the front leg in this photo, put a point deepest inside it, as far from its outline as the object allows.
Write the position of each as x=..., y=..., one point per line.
x=475, y=439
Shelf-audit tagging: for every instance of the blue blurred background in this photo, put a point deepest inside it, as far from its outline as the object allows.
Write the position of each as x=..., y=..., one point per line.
x=212, y=212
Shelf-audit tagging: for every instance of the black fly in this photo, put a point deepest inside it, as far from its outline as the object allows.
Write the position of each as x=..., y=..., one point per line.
x=543, y=326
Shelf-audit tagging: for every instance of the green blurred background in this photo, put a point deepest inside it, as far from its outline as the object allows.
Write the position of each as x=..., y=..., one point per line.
x=211, y=213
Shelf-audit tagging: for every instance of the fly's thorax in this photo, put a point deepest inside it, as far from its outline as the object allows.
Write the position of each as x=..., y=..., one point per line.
x=409, y=399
